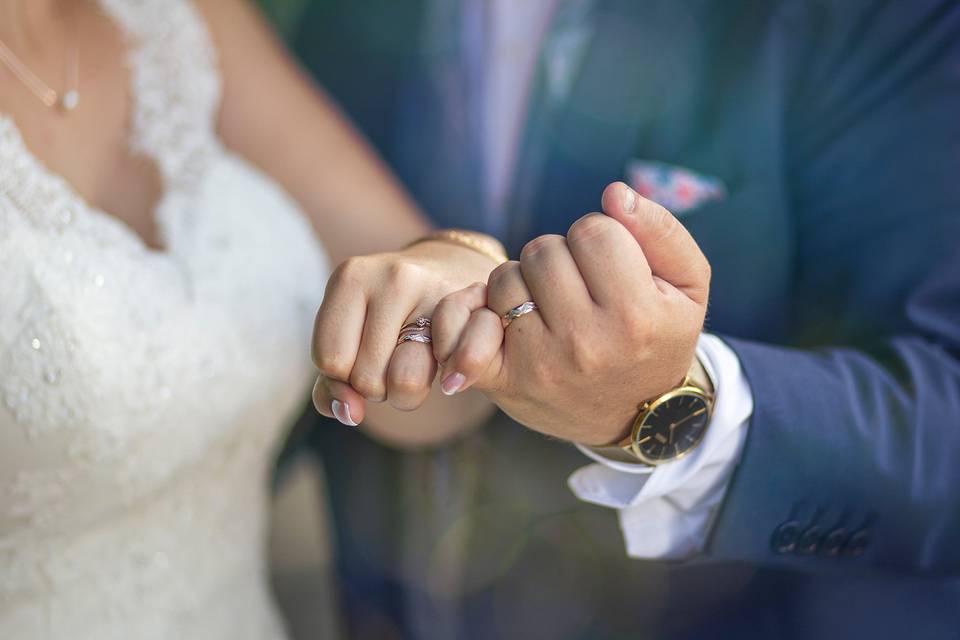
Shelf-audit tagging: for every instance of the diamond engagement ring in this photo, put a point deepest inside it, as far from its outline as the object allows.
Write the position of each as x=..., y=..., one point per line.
x=517, y=311
x=416, y=331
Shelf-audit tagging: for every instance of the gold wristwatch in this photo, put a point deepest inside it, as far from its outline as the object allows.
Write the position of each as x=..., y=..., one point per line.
x=669, y=426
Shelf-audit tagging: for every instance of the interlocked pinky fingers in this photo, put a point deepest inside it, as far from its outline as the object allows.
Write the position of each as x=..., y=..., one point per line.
x=477, y=352
x=451, y=316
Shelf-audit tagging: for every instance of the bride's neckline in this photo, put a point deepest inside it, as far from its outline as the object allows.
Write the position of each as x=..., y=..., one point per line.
x=171, y=122
x=44, y=180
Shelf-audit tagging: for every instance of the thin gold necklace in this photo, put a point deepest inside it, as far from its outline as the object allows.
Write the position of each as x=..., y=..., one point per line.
x=70, y=98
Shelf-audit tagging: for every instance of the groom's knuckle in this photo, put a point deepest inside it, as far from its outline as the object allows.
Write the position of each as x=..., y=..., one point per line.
x=533, y=247
x=500, y=276
x=495, y=280
x=589, y=226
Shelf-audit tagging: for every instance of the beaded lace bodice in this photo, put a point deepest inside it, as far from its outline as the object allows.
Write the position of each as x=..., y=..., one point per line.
x=143, y=392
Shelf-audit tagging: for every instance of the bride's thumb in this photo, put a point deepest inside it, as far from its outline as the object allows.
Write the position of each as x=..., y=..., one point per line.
x=335, y=399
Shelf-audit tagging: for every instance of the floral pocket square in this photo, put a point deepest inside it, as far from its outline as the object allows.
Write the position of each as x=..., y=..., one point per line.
x=675, y=188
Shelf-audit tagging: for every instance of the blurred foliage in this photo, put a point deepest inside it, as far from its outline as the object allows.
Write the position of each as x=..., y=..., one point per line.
x=283, y=13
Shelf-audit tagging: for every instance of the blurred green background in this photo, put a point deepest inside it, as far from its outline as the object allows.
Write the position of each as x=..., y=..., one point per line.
x=283, y=13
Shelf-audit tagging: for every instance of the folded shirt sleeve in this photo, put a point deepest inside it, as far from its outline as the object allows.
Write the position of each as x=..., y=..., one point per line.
x=666, y=511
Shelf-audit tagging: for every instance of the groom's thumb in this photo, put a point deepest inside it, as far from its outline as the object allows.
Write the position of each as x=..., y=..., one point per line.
x=671, y=251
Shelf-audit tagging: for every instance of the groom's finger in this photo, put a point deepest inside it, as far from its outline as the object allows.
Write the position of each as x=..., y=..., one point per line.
x=671, y=251
x=555, y=281
x=451, y=316
x=613, y=266
x=507, y=289
x=478, y=351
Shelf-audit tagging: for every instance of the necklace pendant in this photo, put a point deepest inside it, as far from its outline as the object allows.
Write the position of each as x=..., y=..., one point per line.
x=70, y=100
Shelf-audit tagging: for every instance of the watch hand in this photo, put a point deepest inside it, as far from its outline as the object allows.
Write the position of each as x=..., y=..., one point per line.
x=695, y=413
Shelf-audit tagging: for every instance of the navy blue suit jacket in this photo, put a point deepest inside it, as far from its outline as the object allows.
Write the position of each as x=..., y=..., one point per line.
x=835, y=126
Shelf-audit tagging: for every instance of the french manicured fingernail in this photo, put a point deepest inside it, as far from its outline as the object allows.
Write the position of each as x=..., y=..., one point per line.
x=629, y=200
x=341, y=410
x=452, y=383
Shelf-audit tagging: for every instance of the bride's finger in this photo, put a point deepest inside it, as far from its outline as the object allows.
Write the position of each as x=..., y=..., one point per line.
x=338, y=328
x=338, y=400
x=478, y=351
x=386, y=315
x=410, y=374
x=451, y=316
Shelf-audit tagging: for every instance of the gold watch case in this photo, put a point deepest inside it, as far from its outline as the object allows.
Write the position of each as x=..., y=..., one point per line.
x=649, y=409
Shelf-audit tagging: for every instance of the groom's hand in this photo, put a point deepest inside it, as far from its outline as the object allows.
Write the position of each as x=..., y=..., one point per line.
x=621, y=301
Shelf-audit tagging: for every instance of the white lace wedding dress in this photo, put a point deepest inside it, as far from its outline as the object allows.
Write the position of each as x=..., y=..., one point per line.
x=143, y=392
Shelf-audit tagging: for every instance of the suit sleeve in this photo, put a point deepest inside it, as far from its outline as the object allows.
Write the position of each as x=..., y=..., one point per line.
x=853, y=454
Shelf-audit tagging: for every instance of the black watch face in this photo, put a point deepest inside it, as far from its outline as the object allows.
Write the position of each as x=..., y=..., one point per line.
x=673, y=427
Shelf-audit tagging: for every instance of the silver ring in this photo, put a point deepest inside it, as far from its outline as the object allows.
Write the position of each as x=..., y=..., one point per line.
x=517, y=311
x=419, y=323
x=416, y=331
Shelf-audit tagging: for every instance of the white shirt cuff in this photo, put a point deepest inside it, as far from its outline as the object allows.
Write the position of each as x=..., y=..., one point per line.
x=666, y=511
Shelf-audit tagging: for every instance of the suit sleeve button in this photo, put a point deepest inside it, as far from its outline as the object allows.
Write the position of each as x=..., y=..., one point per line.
x=809, y=542
x=833, y=542
x=857, y=544
x=785, y=537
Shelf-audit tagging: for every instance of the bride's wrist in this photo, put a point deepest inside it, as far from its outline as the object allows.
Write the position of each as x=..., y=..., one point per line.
x=479, y=243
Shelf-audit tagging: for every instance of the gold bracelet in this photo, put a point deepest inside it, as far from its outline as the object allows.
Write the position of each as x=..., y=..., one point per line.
x=469, y=240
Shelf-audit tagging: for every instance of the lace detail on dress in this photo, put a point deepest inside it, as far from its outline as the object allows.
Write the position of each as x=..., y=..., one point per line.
x=175, y=84
x=48, y=199
x=142, y=392
x=44, y=350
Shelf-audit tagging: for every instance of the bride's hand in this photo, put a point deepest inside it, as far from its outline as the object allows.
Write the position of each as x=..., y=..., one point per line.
x=367, y=302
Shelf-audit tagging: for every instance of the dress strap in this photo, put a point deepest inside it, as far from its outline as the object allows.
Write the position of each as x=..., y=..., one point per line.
x=175, y=83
